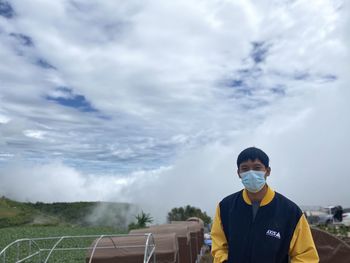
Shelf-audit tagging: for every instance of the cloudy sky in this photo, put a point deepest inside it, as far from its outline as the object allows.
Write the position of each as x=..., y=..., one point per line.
x=150, y=101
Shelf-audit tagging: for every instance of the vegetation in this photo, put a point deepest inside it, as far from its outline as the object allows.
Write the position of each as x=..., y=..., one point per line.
x=340, y=231
x=68, y=212
x=14, y=213
x=11, y=234
x=142, y=220
x=183, y=213
x=70, y=219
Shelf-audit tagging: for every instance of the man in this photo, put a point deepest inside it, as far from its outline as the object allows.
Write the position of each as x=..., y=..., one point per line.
x=257, y=224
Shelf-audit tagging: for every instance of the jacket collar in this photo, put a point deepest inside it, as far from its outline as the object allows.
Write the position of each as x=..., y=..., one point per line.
x=270, y=194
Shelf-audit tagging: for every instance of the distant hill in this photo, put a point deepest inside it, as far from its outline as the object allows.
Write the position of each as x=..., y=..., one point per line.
x=13, y=213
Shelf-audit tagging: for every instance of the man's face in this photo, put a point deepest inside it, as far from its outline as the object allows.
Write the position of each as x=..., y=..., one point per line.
x=255, y=165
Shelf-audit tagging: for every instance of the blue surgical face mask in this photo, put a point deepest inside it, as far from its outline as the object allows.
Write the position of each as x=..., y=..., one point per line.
x=253, y=181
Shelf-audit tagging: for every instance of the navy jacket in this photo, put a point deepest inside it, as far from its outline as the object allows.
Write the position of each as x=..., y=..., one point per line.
x=265, y=239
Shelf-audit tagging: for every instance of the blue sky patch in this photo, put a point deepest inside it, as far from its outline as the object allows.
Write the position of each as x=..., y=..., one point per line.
x=23, y=39
x=104, y=117
x=329, y=77
x=306, y=76
x=301, y=75
x=253, y=72
x=72, y=100
x=279, y=90
x=244, y=82
x=44, y=64
x=246, y=91
x=236, y=83
x=254, y=104
x=6, y=9
x=259, y=52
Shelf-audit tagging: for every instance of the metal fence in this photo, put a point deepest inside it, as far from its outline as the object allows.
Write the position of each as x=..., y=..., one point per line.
x=68, y=248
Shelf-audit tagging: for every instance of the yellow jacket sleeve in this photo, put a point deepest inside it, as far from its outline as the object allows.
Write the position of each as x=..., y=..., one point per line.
x=219, y=248
x=302, y=247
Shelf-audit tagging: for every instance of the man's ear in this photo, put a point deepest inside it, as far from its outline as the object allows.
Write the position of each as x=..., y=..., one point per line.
x=238, y=173
x=268, y=171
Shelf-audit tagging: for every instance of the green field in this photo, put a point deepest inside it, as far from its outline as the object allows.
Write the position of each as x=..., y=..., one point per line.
x=8, y=235
x=20, y=220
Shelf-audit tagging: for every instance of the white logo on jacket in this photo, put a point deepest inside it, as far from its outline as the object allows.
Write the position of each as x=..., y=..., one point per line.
x=273, y=234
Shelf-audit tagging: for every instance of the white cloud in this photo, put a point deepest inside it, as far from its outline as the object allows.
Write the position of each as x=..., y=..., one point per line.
x=34, y=134
x=4, y=119
x=50, y=182
x=162, y=77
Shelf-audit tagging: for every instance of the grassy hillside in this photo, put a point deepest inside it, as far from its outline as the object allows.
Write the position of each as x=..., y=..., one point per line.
x=73, y=213
x=14, y=213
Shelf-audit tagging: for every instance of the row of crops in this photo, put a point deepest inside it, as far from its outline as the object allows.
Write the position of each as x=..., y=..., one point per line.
x=9, y=235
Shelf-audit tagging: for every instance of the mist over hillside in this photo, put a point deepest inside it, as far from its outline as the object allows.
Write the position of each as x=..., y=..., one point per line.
x=117, y=215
